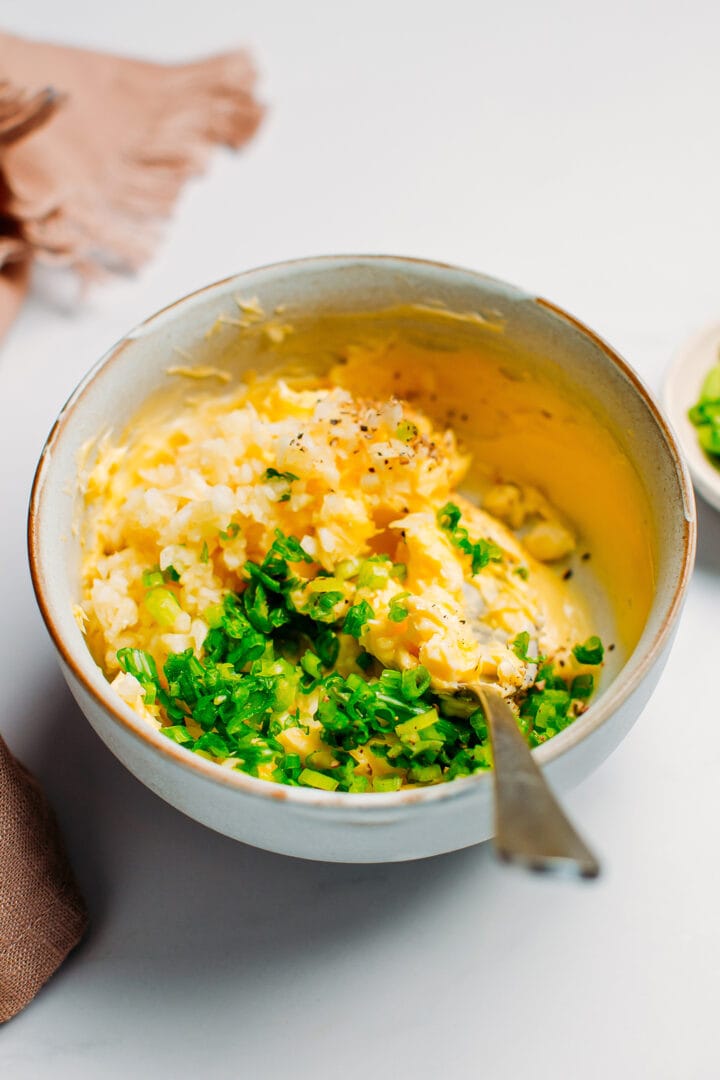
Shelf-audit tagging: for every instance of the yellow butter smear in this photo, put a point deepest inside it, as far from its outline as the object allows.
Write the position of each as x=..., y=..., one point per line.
x=351, y=477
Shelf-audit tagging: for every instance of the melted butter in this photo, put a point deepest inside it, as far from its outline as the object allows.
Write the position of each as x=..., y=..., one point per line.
x=522, y=427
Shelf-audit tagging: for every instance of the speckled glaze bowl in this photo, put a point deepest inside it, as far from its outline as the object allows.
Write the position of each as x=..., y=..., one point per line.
x=446, y=303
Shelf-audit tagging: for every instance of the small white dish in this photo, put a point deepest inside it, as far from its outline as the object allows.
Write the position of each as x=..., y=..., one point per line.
x=684, y=379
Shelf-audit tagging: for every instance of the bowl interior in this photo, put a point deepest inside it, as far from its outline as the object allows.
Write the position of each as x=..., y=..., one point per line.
x=533, y=395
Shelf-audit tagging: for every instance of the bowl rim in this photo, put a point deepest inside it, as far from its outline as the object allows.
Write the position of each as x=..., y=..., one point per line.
x=94, y=683
x=688, y=366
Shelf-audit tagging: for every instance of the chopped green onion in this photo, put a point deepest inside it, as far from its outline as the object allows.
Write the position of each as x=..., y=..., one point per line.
x=212, y=743
x=347, y=569
x=387, y=783
x=406, y=431
x=357, y=618
x=520, y=646
x=273, y=474
x=153, y=577
x=276, y=651
x=374, y=572
x=285, y=478
x=414, y=682
x=313, y=778
x=310, y=663
x=178, y=733
x=410, y=729
x=163, y=606
x=590, y=652
x=397, y=610
x=327, y=646
x=705, y=414
x=425, y=774
x=582, y=686
x=481, y=552
x=137, y=663
x=321, y=606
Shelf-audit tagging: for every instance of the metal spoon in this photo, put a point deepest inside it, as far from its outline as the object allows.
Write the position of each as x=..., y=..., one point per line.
x=530, y=826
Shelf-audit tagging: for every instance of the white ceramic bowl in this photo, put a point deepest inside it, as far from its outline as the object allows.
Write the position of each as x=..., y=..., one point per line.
x=314, y=824
x=685, y=377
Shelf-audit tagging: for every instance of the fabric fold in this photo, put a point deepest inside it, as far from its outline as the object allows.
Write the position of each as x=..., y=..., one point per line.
x=95, y=148
x=42, y=915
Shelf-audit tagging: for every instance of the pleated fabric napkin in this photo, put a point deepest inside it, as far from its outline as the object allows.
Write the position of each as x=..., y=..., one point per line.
x=93, y=152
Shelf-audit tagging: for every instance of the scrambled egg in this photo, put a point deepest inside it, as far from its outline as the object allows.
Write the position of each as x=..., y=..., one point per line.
x=349, y=478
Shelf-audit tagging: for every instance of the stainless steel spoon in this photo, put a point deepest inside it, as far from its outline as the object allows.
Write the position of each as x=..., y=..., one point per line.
x=530, y=826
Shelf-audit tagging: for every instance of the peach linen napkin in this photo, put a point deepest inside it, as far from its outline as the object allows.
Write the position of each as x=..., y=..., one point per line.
x=93, y=151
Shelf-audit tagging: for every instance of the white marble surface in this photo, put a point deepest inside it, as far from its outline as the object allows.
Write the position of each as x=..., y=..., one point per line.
x=572, y=151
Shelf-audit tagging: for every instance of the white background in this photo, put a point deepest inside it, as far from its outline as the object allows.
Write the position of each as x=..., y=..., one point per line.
x=571, y=149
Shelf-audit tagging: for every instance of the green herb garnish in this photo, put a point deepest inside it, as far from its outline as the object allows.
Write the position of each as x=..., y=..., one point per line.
x=283, y=650
x=590, y=652
x=163, y=606
x=481, y=552
x=520, y=646
x=156, y=576
x=406, y=431
x=286, y=479
x=357, y=617
x=705, y=414
x=397, y=610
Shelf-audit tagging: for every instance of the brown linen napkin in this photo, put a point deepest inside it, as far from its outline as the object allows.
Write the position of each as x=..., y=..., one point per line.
x=94, y=149
x=42, y=915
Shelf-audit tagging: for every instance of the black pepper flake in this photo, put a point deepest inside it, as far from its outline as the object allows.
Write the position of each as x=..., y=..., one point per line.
x=567, y=575
x=371, y=469
x=363, y=427
x=464, y=416
x=334, y=421
x=610, y=648
x=585, y=556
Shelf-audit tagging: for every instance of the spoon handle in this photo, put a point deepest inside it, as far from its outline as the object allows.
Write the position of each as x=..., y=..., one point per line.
x=530, y=826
